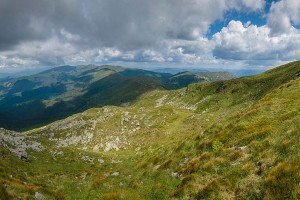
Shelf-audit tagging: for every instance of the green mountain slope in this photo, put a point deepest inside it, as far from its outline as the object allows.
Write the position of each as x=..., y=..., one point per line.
x=234, y=139
x=60, y=92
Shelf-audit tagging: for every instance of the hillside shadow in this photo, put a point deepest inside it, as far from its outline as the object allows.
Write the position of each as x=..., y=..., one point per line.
x=115, y=89
x=121, y=87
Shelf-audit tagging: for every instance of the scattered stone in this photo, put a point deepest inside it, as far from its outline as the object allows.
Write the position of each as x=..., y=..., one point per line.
x=185, y=160
x=57, y=153
x=175, y=175
x=240, y=148
x=24, y=157
x=160, y=102
x=87, y=158
x=115, y=161
x=235, y=163
x=96, y=148
x=18, y=143
x=60, y=153
x=112, y=145
x=138, y=149
x=156, y=167
x=38, y=195
x=115, y=174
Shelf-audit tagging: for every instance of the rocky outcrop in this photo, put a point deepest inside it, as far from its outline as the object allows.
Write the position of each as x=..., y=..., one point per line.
x=18, y=143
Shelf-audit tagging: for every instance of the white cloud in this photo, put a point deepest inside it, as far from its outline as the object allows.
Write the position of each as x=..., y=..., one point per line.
x=238, y=42
x=150, y=55
x=69, y=36
x=200, y=46
x=17, y=62
x=157, y=31
x=254, y=4
x=283, y=14
x=250, y=5
x=45, y=53
x=83, y=57
x=61, y=50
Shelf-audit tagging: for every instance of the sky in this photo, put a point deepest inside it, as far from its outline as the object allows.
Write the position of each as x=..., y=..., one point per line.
x=232, y=34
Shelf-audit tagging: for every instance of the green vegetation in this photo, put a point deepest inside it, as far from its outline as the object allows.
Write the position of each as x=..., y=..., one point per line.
x=234, y=139
x=39, y=99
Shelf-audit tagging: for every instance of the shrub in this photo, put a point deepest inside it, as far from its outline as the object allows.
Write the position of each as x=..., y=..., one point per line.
x=217, y=145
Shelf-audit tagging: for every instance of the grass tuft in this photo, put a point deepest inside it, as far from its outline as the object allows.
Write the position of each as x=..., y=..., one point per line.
x=283, y=181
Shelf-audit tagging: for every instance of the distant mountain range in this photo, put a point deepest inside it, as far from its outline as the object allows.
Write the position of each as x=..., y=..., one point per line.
x=236, y=72
x=60, y=92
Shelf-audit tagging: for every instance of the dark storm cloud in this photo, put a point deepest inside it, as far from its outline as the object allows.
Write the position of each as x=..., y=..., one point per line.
x=34, y=20
x=129, y=24
x=15, y=19
x=44, y=32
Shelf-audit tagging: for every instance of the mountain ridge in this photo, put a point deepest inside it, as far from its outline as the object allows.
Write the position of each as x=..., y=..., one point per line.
x=59, y=92
x=232, y=139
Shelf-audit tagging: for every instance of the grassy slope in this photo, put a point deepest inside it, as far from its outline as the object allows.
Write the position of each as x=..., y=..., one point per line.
x=32, y=101
x=241, y=141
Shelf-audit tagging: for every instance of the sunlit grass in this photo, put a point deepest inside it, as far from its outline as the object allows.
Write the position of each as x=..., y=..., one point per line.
x=240, y=143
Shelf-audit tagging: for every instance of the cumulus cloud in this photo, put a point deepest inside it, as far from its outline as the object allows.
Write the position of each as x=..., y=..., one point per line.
x=16, y=62
x=51, y=33
x=130, y=24
x=283, y=14
x=252, y=5
x=59, y=32
x=239, y=42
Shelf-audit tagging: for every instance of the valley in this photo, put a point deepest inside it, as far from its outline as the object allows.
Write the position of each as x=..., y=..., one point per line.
x=32, y=101
x=180, y=136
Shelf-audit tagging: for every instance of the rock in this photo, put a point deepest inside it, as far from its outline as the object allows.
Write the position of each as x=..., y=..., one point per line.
x=87, y=158
x=138, y=149
x=160, y=102
x=18, y=143
x=38, y=195
x=60, y=153
x=24, y=157
x=115, y=161
x=156, y=167
x=115, y=174
x=240, y=148
x=20, y=153
x=112, y=145
x=96, y=148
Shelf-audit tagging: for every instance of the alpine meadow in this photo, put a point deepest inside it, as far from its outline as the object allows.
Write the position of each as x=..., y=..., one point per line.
x=227, y=139
x=150, y=100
